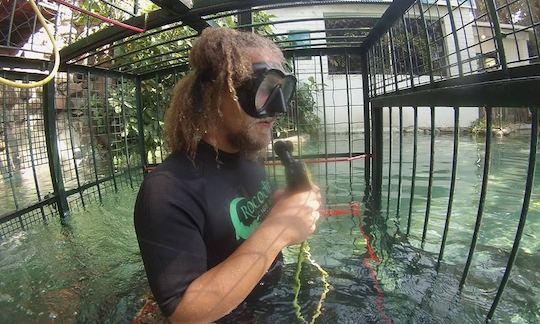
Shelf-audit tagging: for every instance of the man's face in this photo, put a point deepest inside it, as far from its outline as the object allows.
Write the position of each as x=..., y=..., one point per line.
x=243, y=132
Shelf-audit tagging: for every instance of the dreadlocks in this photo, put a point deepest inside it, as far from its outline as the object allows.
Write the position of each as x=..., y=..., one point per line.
x=219, y=61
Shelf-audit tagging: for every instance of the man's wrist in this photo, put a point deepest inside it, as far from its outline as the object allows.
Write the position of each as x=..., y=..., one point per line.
x=273, y=233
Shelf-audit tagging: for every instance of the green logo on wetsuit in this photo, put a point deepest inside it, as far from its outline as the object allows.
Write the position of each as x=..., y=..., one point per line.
x=247, y=213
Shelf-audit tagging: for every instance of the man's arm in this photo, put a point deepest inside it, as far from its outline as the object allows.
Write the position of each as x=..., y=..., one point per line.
x=221, y=289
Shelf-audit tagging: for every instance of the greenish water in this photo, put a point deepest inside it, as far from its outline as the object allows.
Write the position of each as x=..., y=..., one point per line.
x=91, y=272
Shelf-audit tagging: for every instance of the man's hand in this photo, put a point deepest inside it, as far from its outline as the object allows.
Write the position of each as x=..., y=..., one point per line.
x=222, y=288
x=295, y=215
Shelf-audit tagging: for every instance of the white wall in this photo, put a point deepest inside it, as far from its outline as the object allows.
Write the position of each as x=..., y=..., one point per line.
x=334, y=107
x=515, y=45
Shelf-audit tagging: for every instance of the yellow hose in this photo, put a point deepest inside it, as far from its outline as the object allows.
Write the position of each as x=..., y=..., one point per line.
x=56, y=57
x=304, y=254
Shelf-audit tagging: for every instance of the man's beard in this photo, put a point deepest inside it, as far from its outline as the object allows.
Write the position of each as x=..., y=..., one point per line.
x=249, y=144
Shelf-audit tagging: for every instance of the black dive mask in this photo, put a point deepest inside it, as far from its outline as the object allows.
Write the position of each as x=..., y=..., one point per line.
x=267, y=92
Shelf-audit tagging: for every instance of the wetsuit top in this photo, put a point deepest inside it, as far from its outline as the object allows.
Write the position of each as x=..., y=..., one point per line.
x=192, y=215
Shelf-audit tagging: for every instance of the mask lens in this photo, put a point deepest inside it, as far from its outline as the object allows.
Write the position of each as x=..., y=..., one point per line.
x=287, y=87
x=269, y=83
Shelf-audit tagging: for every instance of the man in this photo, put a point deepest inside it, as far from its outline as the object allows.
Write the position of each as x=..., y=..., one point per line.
x=207, y=227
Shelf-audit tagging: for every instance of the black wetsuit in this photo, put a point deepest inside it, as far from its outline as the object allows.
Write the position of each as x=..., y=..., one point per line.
x=192, y=215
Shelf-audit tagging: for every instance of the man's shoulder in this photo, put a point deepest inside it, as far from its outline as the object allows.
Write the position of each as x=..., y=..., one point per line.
x=177, y=165
x=174, y=173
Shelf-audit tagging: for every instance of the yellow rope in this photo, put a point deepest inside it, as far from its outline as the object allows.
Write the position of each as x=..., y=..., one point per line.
x=304, y=254
x=56, y=57
x=297, y=284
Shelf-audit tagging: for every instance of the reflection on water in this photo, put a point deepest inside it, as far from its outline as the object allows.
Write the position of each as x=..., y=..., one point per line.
x=91, y=271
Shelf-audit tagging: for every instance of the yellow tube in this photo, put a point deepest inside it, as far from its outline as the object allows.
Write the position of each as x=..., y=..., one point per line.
x=56, y=57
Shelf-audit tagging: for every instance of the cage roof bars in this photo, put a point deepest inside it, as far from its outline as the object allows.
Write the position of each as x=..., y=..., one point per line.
x=197, y=16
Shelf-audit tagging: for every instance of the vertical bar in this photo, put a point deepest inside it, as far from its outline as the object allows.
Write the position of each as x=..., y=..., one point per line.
x=394, y=60
x=245, y=18
x=400, y=160
x=428, y=43
x=70, y=39
x=159, y=96
x=367, y=130
x=514, y=29
x=454, y=36
x=295, y=110
x=34, y=24
x=524, y=210
x=463, y=28
x=389, y=160
x=8, y=151
x=91, y=130
x=382, y=64
x=140, y=125
x=377, y=170
x=324, y=106
x=349, y=112
x=409, y=51
x=533, y=29
x=452, y=186
x=370, y=64
x=160, y=117
x=430, y=179
x=72, y=144
x=413, y=175
x=347, y=87
x=498, y=34
x=485, y=176
x=373, y=71
x=31, y=150
x=49, y=118
x=11, y=16
x=108, y=130
x=324, y=115
x=390, y=133
x=125, y=130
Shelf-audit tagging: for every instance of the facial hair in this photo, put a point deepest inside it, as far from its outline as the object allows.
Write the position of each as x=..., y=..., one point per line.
x=246, y=142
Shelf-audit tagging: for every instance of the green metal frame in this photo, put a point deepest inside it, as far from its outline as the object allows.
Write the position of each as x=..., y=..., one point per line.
x=514, y=87
x=49, y=116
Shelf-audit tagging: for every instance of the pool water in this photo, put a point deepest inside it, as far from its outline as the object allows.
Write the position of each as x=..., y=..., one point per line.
x=91, y=271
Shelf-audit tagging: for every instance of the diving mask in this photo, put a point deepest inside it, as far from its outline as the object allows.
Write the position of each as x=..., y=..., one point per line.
x=267, y=92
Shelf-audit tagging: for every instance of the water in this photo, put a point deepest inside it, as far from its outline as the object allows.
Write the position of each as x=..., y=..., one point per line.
x=88, y=272
x=91, y=271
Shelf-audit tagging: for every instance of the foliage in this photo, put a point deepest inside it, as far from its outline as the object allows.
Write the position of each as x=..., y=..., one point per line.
x=169, y=47
x=478, y=126
x=114, y=121
x=85, y=25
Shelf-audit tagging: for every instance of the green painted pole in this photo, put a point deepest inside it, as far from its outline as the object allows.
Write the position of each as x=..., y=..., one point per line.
x=55, y=167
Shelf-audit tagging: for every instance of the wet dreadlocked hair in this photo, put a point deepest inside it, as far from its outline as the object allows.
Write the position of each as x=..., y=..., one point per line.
x=219, y=60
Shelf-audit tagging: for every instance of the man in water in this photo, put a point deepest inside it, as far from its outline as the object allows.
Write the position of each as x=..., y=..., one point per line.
x=208, y=226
